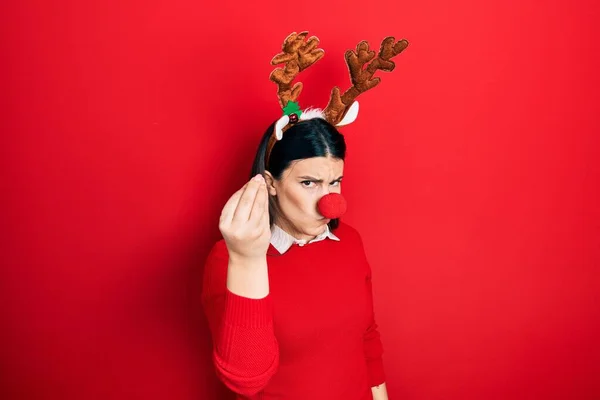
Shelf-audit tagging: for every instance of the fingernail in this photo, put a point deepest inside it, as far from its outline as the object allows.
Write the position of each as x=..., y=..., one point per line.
x=258, y=178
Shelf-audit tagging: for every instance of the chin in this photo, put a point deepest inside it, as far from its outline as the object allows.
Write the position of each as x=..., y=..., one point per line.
x=314, y=227
x=321, y=223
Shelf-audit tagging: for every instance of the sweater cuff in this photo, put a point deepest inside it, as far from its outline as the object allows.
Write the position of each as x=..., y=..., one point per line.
x=248, y=313
x=376, y=372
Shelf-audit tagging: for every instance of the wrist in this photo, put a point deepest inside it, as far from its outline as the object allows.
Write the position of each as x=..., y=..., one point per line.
x=248, y=276
x=247, y=261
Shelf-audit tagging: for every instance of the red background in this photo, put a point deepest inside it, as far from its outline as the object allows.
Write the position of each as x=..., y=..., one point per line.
x=472, y=175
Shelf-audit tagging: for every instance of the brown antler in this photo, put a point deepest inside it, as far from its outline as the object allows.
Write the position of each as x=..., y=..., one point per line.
x=362, y=78
x=297, y=56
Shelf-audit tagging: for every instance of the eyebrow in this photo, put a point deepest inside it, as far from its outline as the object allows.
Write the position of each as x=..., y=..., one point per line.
x=310, y=178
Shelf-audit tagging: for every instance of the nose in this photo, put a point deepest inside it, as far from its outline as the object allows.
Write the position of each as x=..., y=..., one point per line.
x=332, y=205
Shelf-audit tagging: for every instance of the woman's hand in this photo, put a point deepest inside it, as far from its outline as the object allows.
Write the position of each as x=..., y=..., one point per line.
x=244, y=221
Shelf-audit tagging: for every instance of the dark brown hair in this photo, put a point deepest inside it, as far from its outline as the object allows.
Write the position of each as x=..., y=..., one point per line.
x=311, y=138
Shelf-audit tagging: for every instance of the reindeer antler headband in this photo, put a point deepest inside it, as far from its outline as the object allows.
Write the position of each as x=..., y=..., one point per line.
x=342, y=109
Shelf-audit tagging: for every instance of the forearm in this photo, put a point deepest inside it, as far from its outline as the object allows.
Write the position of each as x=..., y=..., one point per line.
x=246, y=352
x=248, y=277
x=379, y=392
x=240, y=316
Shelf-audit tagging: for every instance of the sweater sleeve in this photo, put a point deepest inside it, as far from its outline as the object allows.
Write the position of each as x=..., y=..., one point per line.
x=373, y=347
x=372, y=341
x=245, y=350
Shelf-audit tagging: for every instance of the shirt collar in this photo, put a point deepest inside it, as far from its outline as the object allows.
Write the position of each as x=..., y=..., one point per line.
x=282, y=241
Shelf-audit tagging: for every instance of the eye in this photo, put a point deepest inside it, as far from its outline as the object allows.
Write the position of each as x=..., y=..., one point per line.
x=336, y=183
x=307, y=183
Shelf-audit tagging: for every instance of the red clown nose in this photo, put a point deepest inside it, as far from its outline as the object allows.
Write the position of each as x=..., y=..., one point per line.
x=332, y=205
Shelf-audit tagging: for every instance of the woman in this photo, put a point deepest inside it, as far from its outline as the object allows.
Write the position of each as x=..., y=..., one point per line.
x=287, y=291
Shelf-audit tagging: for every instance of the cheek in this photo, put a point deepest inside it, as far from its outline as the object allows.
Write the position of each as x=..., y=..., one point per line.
x=301, y=199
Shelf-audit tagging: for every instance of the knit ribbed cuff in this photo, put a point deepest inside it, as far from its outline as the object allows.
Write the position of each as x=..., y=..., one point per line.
x=376, y=372
x=249, y=313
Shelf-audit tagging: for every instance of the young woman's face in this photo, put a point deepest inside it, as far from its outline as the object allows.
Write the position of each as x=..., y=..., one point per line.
x=300, y=188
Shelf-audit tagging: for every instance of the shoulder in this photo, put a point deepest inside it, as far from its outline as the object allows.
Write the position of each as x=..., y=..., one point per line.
x=353, y=245
x=218, y=256
x=215, y=268
x=218, y=250
x=350, y=236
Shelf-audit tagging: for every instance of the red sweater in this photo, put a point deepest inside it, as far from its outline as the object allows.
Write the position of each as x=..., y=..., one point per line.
x=313, y=337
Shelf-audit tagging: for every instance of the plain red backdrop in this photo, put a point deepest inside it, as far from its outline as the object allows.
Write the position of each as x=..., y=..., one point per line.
x=472, y=175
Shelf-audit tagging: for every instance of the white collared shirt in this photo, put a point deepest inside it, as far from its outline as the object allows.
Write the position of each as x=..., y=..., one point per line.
x=282, y=241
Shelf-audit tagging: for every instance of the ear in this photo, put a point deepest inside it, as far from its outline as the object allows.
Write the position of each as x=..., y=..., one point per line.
x=350, y=115
x=270, y=183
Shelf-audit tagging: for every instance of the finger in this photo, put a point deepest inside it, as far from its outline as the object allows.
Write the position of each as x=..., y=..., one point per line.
x=244, y=205
x=265, y=205
x=229, y=208
x=264, y=218
x=258, y=208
